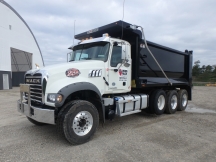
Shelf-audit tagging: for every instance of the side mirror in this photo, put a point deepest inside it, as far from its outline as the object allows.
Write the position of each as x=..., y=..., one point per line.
x=69, y=56
x=115, y=43
x=127, y=63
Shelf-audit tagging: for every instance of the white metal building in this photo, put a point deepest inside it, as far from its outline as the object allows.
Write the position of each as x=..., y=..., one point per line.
x=19, y=50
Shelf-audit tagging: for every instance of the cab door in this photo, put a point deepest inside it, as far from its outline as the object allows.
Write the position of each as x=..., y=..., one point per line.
x=119, y=74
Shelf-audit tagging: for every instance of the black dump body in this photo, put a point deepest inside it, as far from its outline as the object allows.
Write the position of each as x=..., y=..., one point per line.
x=177, y=65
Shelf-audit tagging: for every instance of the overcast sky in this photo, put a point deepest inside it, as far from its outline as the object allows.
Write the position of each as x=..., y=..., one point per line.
x=179, y=24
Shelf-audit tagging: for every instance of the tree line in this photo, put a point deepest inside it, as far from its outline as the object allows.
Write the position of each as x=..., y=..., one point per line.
x=204, y=73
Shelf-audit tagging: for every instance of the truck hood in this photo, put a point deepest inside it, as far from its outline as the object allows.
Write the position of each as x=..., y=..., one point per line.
x=62, y=68
x=56, y=76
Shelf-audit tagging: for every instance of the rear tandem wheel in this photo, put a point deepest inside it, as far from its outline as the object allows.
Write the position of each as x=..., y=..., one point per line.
x=158, y=102
x=172, y=102
x=183, y=100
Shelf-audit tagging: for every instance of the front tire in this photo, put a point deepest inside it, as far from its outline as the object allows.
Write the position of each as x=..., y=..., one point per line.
x=80, y=122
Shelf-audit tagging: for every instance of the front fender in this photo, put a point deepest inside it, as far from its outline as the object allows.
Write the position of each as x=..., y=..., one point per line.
x=75, y=87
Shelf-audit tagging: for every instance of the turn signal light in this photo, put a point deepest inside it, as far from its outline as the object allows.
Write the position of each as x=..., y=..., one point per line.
x=59, y=98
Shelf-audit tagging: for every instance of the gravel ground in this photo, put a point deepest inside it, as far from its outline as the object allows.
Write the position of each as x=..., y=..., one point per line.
x=184, y=136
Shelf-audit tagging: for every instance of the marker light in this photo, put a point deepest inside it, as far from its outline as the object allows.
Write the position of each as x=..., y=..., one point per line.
x=106, y=35
x=59, y=98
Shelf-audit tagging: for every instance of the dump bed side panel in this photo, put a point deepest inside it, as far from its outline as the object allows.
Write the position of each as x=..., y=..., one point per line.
x=172, y=63
x=177, y=66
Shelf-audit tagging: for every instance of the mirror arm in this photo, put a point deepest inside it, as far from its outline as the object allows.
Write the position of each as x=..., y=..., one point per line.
x=116, y=70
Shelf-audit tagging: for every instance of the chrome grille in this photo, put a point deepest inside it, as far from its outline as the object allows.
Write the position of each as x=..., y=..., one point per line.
x=35, y=88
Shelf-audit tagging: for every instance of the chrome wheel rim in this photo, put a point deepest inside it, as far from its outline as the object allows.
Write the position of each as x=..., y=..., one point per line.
x=161, y=102
x=174, y=102
x=82, y=123
x=184, y=100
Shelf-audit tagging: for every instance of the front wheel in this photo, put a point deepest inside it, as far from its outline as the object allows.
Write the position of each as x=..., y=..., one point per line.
x=80, y=122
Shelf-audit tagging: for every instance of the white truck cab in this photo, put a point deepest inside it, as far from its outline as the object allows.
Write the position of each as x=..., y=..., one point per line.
x=115, y=57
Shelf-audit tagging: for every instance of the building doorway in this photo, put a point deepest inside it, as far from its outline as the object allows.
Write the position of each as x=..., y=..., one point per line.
x=21, y=62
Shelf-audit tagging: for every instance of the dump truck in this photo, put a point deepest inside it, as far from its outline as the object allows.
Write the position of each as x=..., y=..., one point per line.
x=112, y=72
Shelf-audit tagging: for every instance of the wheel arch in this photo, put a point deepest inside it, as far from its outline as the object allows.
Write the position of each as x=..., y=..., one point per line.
x=82, y=90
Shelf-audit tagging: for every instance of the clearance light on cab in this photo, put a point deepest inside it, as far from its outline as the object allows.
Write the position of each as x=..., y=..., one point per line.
x=87, y=39
x=106, y=35
x=72, y=72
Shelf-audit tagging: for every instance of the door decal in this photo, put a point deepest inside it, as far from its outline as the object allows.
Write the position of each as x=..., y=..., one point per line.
x=122, y=75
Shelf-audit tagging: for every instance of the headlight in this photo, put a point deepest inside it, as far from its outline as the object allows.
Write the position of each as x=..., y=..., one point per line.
x=53, y=97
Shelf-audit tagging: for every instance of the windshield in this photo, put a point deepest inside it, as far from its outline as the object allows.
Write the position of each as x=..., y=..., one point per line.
x=91, y=51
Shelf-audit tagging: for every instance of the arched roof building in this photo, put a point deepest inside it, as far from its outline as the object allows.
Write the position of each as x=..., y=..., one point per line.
x=19, y=50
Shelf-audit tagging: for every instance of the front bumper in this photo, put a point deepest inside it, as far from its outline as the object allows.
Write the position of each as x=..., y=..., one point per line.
x=40, y=114
x=35, y=113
